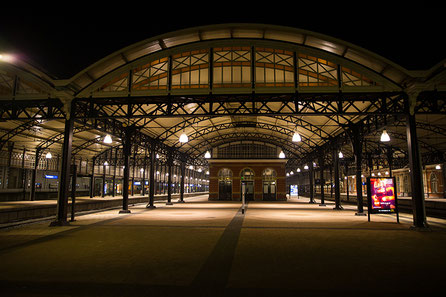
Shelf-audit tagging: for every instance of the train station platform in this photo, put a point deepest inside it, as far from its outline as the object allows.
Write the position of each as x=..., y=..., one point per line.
x=16, y=212
x=209, y=248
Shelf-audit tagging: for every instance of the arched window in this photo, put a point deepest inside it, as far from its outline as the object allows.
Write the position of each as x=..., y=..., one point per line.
x=269, y=174
x=247, y=175
x=224, y=174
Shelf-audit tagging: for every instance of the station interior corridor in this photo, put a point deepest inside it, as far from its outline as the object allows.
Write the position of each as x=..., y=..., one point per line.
x=205, y=248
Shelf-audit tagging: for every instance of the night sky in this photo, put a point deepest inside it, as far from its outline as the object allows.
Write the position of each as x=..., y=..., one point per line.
x=66, y=41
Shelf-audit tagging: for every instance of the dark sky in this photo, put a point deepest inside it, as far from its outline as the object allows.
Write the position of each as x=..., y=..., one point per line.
x=64, y=42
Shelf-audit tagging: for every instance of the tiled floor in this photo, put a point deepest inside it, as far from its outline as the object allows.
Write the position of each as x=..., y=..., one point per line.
x=202, y=248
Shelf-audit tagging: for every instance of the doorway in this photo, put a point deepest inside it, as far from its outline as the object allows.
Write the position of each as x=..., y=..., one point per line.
x=247, y=183
x=269, y=177
x=225, y=184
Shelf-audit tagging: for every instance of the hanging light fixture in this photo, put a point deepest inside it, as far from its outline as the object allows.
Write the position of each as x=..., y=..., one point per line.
x=384, y=136
x=438, y=167
x=341, y=155
x=108, y=139
x=281, y=155
x=291, y=173
x=298, y=170
x=184, y=138
x=105, y=163
x=296, y=137
x=48, y=155
x=306, y=167
x=207, y=155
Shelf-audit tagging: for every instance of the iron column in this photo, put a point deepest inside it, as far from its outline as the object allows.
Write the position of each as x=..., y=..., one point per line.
x=169, y=178
x=62, y=201
x=336, y=180
x=183, y=173
x=125, y=191
x=416, y=177
x=152, y=178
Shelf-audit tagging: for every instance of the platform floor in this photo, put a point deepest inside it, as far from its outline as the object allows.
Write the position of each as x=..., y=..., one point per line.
x=202, y=248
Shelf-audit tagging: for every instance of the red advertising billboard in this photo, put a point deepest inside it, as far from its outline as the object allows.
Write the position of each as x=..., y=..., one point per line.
x=381, y=196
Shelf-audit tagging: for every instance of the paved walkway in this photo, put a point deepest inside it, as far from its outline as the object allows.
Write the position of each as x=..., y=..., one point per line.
x=202, y=248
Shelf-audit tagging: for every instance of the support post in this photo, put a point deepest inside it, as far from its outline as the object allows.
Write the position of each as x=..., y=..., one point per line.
x=62, y=201
x=311, y=173
x=92, y=179
x=125, y=191
x=183, y=173
x=169, y=177
x=322, y=179
x=32, y=195
x=73, y=191
x=357, y=144
x=152, y=177
x=419, y=211
x=143, y=183
x=346, y=180
x=336, y=180
x=24, y=173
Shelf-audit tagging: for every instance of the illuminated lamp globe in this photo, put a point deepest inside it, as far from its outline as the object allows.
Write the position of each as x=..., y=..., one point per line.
x=207, y=155
x=438, y=167
x=108, y=139
x=341, y=155
x=306, y=167
x=298, y=170
x=48, y=155
x=384, y=136
x=296, y=137
x=281, y=155
x=184, y=138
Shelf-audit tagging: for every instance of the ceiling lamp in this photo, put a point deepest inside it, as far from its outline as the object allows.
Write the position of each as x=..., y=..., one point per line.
x=281, y=155
x=184, y=138
x=306, y=167
x=384, y=136
x=438, y=167
x=108, y=139
x=48, y=155
x=207, y=155
x=291, y=173
x=341, y=155
x=296, y=137
x=298, y=170
x=105, y=163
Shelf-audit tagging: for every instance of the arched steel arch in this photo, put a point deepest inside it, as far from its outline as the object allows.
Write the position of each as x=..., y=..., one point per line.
x=259, y=126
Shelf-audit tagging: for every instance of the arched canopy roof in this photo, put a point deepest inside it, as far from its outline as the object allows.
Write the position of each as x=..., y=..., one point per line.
x=221, y=60
x=291, y=38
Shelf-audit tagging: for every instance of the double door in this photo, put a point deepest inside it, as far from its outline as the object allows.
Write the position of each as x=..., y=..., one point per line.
x=248, y=186
x=269, y=190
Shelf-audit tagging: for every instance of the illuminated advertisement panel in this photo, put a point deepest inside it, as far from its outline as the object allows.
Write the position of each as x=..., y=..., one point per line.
x=381, y=195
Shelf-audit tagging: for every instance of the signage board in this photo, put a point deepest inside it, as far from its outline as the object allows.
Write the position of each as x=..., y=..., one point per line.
x=381, y=195
x=51, y=176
